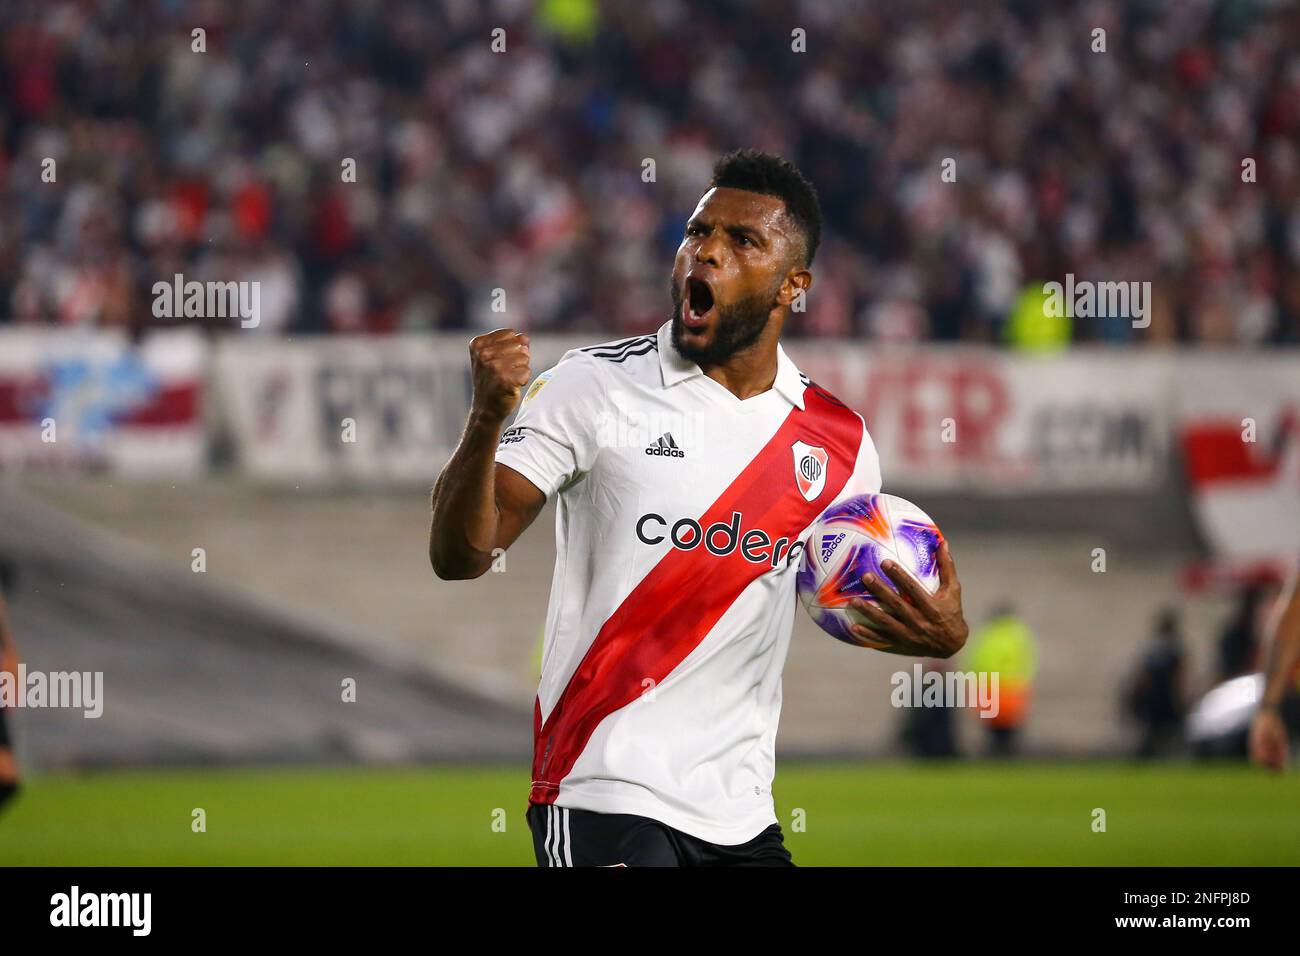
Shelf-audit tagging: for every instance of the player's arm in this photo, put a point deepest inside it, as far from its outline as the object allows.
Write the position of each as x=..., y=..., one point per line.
x=479, y=505
x=1268, y=741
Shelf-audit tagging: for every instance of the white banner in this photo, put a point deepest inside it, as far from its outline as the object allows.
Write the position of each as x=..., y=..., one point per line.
x=988, y=422
x=345, y=408
x=961, y=419
x=92, y=400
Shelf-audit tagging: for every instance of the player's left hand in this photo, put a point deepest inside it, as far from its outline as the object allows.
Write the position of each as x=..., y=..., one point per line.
x=914, y=622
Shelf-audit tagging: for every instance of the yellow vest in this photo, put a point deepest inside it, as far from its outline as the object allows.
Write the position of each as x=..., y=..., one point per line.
x=1031, y=329
x=1005, y=646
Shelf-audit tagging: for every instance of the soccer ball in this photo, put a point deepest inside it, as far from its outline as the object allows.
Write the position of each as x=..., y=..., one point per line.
x=851, y=539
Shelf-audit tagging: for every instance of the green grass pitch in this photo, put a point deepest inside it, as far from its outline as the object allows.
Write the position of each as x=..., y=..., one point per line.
x=851, y=814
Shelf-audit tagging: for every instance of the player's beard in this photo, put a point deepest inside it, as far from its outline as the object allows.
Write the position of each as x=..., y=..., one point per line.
x=735, y=328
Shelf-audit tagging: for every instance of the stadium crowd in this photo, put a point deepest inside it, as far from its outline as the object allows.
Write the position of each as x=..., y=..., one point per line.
x=525, y=170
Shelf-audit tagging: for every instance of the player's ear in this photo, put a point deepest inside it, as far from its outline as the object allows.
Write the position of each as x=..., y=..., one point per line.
x=797, y=282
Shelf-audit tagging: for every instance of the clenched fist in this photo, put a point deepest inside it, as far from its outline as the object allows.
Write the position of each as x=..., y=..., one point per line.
x=499, y=361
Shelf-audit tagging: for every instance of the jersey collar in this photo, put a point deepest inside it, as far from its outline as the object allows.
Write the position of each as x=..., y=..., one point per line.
x=789, y=382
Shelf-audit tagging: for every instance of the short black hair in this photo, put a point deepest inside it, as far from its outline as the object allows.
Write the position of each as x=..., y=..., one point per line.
x=766, y=173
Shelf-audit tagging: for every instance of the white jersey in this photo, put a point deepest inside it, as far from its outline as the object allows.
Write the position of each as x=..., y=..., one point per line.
x=681, y=518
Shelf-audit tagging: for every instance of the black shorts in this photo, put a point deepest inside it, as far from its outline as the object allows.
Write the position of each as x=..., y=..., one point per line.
x=4, y=730
x=563, y=836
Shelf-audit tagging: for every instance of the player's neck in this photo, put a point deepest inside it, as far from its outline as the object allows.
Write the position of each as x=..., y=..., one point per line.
x=751, y=371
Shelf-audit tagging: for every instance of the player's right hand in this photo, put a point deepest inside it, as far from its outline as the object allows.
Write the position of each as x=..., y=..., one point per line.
x=499, y=363
x=1268, y=744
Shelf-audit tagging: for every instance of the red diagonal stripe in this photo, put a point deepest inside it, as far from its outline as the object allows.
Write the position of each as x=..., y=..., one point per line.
x=675, y=606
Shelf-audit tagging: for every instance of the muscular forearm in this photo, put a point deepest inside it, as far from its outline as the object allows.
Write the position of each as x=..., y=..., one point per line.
x=1285, y=653
x=468, y=507
x=463, y=531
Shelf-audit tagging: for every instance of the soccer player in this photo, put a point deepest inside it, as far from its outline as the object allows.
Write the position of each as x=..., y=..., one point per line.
x=688, y=464
x=8, y=668
x=1268, y=737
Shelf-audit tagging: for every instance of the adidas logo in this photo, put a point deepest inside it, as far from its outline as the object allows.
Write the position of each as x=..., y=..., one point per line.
x=829, y=544
x=665, y=447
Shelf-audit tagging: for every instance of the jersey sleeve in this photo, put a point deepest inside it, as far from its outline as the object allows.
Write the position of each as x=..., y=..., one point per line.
x=865, y=479
x=552, y=441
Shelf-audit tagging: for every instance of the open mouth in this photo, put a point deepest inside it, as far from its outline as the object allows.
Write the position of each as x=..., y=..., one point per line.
x=697, y=304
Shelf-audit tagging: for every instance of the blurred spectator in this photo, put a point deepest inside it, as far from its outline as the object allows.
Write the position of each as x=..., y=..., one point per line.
x=928, y=732
x=1005, y=646
x=1239, y=643
x=1155, y=695
x=522, y=170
